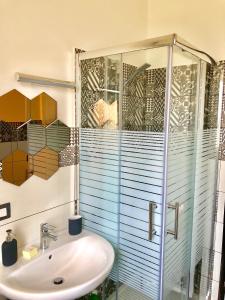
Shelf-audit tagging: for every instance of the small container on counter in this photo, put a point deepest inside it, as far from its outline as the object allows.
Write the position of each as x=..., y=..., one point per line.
x=75, y=225
x=9, y=250
x=29, y=252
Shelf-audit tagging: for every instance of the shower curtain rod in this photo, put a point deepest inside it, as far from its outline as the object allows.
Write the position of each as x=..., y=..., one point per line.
x=44, y=81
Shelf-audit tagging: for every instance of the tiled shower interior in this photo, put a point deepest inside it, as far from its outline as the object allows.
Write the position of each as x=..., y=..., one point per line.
x=143, y=99
x=109, y=158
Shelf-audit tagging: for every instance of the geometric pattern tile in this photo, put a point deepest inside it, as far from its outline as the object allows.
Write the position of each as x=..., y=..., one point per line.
x=222, y=129
x=69, y=156
x=12, y=131
x=222, y=151
x=223, y=119
x=212, y=96
x=134, y=98
x=143, y=100
x=99, y=108
x=112, y=72
x=155, y=101
x=183, y=98
x=92, y=72
x=222, y=135
x=74, y=136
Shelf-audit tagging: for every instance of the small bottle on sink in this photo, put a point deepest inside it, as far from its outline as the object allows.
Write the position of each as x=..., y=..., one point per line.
x=9, y=250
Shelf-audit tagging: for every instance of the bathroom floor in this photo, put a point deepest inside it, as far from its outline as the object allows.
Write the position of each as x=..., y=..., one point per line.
x=126, y=292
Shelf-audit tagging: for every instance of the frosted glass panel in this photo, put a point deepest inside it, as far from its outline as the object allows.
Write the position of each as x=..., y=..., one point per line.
x=127, y=180
x=181, y=174
x=121, y=170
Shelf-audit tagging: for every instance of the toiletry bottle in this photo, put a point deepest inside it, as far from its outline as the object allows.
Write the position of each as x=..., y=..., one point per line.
x=9, y=250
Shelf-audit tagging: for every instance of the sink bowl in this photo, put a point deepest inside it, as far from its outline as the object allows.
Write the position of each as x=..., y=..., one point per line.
x=68, y=271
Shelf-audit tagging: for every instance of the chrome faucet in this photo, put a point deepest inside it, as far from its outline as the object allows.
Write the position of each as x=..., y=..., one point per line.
x=46, y=234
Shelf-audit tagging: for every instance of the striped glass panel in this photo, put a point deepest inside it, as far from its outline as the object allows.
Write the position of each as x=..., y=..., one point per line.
x=99, y=184
x=120, y=173
x=180, y=185
x=141, y=182
x=123, y=170
x=181, y=167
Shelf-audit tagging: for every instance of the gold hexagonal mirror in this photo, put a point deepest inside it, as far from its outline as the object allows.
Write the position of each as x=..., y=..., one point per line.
x=45, y=163
x=57, y=136
x=16, y=167
x=15, y=107
x=31, y=137
x=44, y=109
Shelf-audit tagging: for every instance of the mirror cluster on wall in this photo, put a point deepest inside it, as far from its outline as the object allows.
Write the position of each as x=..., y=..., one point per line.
x=31, y=137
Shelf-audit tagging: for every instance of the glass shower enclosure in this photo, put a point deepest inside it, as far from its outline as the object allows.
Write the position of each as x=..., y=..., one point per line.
x=148, y=120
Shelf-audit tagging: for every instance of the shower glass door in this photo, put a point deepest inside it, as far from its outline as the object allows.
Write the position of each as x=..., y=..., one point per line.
x=148, y=142
x=99, y=180
x=142, y=157
x=121, y=165
x=181, y=172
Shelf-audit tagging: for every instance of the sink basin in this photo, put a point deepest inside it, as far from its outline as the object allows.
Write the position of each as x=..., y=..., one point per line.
x=68, y=271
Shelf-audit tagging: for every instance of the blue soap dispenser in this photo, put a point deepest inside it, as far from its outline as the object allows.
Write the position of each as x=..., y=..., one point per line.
x=9, y=250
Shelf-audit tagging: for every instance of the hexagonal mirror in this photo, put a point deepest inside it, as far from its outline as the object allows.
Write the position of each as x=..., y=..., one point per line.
x=14, y=113
x=16, y=167
x=15, y=107
x=36, y=136
x=31, y=137
x=57, y=136
x=45, y=163
x=6, y=137
x=43, y=109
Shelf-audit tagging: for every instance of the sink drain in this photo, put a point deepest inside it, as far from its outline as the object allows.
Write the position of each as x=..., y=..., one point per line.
x=58, y=280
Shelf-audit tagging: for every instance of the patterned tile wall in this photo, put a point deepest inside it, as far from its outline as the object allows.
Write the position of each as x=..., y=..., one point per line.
x=218, y=259
x=70, y=155
x=99, y=108
x=212, y=96
x=222, y=128
x=155, y=94
x=10, y=133
x=143, y=97
x=183, y=98
x=134, y=99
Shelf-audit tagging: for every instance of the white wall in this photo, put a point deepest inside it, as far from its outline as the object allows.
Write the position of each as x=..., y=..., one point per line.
x=200, y=22
x=38, y=37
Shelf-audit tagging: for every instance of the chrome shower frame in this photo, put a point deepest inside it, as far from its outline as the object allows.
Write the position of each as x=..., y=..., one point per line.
x=168, y=41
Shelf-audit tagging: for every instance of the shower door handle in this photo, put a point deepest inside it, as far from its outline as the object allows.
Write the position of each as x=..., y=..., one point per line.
x=174, y=232
x=151, y=230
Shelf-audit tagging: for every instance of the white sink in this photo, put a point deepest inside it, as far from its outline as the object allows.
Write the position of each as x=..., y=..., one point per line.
x=82, y=262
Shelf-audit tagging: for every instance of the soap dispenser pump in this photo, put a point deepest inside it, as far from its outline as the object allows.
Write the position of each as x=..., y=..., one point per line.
x=9, y=250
